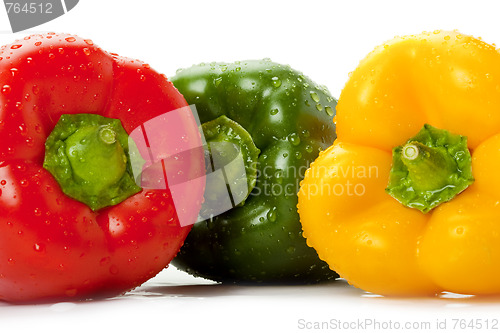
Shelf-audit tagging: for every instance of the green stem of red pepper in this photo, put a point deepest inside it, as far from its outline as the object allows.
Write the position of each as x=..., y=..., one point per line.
x=88, y=156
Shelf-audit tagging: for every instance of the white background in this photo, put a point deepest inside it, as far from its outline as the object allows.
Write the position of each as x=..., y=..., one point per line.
x=325, y=40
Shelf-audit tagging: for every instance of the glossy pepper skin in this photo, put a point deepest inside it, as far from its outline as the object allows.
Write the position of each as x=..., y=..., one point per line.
x=53, y=247
x=447, y=80
x=289, y=118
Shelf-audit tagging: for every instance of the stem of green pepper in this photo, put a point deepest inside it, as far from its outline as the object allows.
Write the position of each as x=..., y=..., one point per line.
x=430, y=168
x=234, y=154
x=88, y=156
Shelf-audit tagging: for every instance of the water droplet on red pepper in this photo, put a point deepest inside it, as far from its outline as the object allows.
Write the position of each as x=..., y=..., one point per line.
x=113, y=270
x=86, y=51
x=16, y=46
x=70, y=39
x=89, y=41
x=38, y=43
x=105, y=261
x=39, y=247
x=13, y=71
x=51, y=56
x=6, y=89
x=70, y=292
x=61, y=50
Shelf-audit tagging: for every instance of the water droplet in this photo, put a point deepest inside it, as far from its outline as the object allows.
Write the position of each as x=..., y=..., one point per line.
x=3, y=182
x=22, y=129
x=86, y=51
x=14, y=71
x=278, y=175
x=276, y=82
x=309, y=148
x=70, y=39
x=37, y=212
x=329, y=110
x=38, y=43
x=294, y=139
x=459, y=230
x=319, y=107
x=105, y=261
x=52, y=55
x=217, y=81
x=16, y=46
x=35, y=89
x=70, y=292
x=142, y=78
x=39, y=247
x=271, y=214
x=298, y=155
x=274, y=111
x=314, y=96
x=6, y=89
x=89, y=41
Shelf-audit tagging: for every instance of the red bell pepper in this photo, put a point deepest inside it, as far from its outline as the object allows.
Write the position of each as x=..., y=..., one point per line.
x=73, y=222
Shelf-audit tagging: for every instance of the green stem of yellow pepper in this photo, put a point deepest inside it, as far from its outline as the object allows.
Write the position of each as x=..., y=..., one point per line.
x=430, y=168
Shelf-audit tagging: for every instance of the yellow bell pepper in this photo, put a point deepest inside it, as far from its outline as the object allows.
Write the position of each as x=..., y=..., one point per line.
x=407, y=200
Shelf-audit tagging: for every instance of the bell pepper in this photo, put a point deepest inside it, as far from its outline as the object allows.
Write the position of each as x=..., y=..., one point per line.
x=418, y=127
x=75, y=222
x=279, y=119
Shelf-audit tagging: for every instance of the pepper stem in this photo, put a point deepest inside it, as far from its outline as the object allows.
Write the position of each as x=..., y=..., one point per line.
x=88, y=156
x=107, y=135
x=430, y=168
x=232, y=157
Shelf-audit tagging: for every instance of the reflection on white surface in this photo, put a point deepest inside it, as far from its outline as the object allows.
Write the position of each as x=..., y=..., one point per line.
x=174, y=299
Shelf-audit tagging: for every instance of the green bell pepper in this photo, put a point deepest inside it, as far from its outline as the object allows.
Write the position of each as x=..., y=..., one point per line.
x=290, y=120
